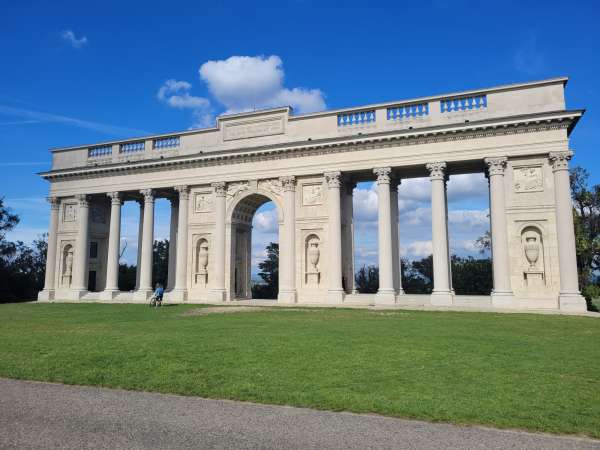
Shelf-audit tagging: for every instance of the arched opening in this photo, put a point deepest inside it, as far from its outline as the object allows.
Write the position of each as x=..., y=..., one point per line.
x=254, y=268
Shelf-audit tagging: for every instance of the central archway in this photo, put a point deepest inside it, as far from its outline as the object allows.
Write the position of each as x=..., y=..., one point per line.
x=242, y=213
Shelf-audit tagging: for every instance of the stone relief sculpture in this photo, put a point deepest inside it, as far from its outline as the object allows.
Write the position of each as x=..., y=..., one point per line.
x=201, y=277
x=312, y=194
x=235, y=188
x=203, y=202
x=528, y=179
x=313, y=254
x=67, y=265
x=533, y=274
x=70, y=212
x=273, y=185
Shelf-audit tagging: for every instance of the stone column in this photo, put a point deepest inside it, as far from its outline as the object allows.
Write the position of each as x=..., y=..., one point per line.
x=82, y=251
x=570, y=299
x=442, y=293
x=50, y=276
x=348, y=236
x=385, y=293
x=397, y=264
x=502, y=295
x=145, y=287
x=139, y=244
x=172, y=242
x=180, y=291
x=217, y=291
x=335, y=293
x=114, y=239
x=287, y=259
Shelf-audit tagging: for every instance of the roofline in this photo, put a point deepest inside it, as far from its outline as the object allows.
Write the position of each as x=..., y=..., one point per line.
x=506, y=87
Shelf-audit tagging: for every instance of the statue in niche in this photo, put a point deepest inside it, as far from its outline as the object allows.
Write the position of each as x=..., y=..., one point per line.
x=67, y=264
x=201, y=262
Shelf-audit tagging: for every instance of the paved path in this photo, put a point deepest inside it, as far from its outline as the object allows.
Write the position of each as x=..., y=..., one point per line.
x=52, y=416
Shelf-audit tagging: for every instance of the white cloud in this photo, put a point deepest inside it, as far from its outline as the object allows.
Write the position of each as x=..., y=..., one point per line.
x=266, y=221
x=69, y=37
x=416, y=249
x=469, y=218
x=176, y=94
x=243, y=83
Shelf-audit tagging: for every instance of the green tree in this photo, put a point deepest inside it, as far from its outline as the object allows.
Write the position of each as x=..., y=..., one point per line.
x=471, y=276
x=367, y=279
x=127, y=277
x=160, y=262
x=269, y=272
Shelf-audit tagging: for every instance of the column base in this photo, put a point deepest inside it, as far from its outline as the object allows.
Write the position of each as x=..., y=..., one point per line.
x=216, y=295
x=142, y=295
x=504, y=300
x=335, y=297
x=287, y=296
x=441, y=298
x=400, y=292
x=177, y=296
x=109, y=294
x=385, y=297
x=46, y=295
x=76, y=294
x=572, y=302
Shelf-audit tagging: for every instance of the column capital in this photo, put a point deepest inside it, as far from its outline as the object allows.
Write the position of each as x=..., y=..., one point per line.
x=148, y=195
x=83, y=200
x=184, y=192
x=288, y=183
x=383, y=174
x=220, y=188
x=115, y=198
x=495, y=166
x=560, y=160
x=334, y=179
x=437, y=170
x=54, y=202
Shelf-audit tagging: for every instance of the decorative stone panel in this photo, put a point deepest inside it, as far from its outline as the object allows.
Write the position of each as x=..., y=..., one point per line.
x=528, y=179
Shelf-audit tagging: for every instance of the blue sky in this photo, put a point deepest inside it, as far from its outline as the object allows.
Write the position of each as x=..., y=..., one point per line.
x=80, y=72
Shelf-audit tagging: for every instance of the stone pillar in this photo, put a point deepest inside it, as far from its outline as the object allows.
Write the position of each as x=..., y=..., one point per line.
x=570, y=299
x=82, y=251
x=172, y=242
x=385, y=293
x=348, y=236
x=287, y=247
x=139, y=244
x=114, y=239
x=335, y=293
x=50, y=276
x=145, y=287
x=442, y=293
x=502, y=295
x=180, y=291
x=397, y=263
x=217, y=291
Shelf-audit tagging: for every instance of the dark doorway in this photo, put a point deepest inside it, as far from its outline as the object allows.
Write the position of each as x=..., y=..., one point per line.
x=92, y=281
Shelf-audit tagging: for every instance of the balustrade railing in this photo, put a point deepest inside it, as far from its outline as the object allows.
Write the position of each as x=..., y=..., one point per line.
x=356, y=118
x=463, y=103
x=100, y=151
x=166, y=143
x=403, y=112
x=132, y=147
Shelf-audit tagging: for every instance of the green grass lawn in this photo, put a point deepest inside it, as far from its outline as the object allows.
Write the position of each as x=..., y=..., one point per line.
x=507, y=370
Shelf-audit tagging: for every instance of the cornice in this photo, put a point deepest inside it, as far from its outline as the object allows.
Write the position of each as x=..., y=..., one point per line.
x=472, y=130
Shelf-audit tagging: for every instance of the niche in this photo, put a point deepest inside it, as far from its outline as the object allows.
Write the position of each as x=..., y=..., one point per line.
x=312, y=250
x=533, y=257
x=201, y=272
x=67, y=265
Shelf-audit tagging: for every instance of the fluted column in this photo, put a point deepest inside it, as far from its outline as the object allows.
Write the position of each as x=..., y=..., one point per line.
x=385, y=293
x=287, y=257
x=140, y=202
x=442, y=294
x=145, y=287
x=502, y=295
x=217, y=291
x=335, y=293
x=348, y=235
x=50, y=274
x=570, y=298
x=397, y=264
x=114, y=239
x=81, y=258
x=172, y=242
x=180, y=290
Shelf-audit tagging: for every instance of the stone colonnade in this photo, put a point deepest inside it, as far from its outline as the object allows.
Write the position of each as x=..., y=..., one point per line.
x=335, y=181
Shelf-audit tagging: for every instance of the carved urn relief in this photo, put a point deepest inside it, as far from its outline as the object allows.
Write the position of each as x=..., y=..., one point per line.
x=532, y=250
x=533, y=274
x=313, y=254
x=201, y=262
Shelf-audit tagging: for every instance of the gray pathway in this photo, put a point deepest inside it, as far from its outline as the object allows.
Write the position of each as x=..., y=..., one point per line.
x=52, y=416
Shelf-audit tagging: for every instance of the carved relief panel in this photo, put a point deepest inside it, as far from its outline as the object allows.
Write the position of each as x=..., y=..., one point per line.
x=312, y=194
x=203, y=202
x=70, y=212
x=528, y=179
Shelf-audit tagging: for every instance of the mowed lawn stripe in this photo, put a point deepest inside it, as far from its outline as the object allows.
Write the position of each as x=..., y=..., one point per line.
x=508, y=370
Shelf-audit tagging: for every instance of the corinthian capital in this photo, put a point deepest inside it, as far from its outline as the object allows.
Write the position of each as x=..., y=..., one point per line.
x=83, y=200
x=115, y=197
x=184, y=192
x=288, y=183
x=54, y=202
x=495, y=166
x=334, y=179
x=220, y=188
x=383, y=174
x=560, y=160
x=148, y=195
x=437, y=170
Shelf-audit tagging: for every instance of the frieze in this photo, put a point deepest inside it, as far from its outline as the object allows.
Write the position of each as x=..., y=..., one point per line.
x=254, y=128
x=273, y=185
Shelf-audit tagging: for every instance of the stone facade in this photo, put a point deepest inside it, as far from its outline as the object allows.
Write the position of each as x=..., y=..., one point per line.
x=308, y=165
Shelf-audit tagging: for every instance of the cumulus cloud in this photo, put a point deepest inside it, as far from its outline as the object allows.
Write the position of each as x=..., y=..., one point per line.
x=176, y=94
x=266, y=221
x=243, y=83
x=416, y=249
x=69, y=37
